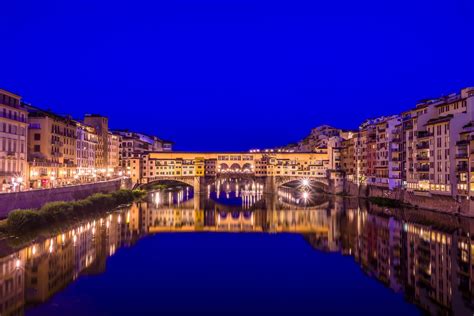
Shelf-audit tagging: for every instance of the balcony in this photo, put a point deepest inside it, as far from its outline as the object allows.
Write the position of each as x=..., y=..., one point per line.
x=424, y=168
x=462, y=142
x=423, y=145
x=462, y=168
x=461, y=156
x=13, y=117
x=422, y=158
x=423, y=134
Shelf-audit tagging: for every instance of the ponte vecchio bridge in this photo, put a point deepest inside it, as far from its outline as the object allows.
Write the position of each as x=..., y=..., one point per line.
x=274, y=169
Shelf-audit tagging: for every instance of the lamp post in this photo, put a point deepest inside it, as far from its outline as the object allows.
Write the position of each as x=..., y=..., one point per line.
x=19, y=180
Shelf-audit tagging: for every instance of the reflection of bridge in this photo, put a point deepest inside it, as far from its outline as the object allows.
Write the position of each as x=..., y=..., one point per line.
x=275, y=168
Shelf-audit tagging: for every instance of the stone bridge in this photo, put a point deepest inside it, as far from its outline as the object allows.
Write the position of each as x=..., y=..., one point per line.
x=276, y=168
x=282, y=180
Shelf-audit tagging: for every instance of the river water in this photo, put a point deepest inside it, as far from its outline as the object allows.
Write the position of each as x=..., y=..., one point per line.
x=234, y=250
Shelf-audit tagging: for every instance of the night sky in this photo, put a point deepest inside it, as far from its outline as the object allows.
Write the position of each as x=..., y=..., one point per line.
x=232, y=75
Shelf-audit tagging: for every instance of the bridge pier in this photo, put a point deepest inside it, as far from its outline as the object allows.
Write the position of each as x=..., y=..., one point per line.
x=197, y=185
x=270, y=186
x=336, y=181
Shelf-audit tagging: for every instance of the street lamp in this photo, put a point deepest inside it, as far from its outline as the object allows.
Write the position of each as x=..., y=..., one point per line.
x=19, y=180
x=305, y=182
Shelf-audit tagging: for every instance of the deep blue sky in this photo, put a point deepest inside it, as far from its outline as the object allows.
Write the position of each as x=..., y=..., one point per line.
x=230, y=75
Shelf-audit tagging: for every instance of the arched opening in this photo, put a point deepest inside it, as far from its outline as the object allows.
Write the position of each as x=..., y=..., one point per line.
x=235, y=168
x=166, y=184
x=305, y=185
x=247, y=168
x=223, y=168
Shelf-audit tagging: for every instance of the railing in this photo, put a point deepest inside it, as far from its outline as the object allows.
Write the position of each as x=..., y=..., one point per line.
x=424, y=134
x=422, y=158
x=423, y=169
x=423, y=145
x=11, y=117
x=462, y=142
x=461, y=168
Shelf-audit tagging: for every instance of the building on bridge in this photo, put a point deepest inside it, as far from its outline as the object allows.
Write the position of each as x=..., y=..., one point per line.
x=188, y=167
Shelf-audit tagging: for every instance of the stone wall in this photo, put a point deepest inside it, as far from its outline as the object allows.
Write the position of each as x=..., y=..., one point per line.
x=427, y=201
x=36, y=198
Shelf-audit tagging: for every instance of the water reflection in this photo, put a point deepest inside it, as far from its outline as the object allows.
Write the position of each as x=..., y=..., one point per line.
x=427, y=256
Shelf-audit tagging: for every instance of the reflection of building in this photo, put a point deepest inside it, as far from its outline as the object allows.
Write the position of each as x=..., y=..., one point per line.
x=12, y=290
x=49, y=268
x=427, y=256
x=13, y=139
x=55, y=262
x=415, y=258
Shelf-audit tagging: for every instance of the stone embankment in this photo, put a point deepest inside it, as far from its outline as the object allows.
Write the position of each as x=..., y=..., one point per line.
x=36, y=198
x=422, y=200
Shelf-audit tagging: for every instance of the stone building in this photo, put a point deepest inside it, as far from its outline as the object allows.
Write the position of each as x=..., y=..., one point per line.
x=13, y=142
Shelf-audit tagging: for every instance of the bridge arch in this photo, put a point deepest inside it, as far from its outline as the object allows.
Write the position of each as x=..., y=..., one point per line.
x=223, y=167
x=235, y=167
x=247, y=168
x=188, y=181
x=317, y=183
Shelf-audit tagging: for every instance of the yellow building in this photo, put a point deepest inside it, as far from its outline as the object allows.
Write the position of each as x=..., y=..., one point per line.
x=114, y=152
x=101, y=125
x=155, y=165
x=52, y=148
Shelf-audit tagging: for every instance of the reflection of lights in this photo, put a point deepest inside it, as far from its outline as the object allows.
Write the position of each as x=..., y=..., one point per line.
x=305, y=195
x=51, y=246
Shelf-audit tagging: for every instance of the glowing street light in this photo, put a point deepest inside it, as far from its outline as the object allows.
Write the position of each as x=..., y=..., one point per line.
x=305, y=182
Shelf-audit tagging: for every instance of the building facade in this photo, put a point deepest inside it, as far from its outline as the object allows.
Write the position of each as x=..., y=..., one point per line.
x=52, y=148
x=101, y=125
x=114, y=152
x=13, y=142
x=87, y=142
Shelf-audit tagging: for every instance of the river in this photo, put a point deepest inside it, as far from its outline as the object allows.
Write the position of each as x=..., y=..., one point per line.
x=236, y=251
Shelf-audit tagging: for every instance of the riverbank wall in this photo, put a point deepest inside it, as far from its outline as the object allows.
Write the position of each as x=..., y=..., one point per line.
x=36, y=198
x=422, y=200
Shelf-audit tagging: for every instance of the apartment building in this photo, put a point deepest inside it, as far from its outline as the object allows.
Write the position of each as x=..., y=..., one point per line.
x=135, y=144
x=13, y=142
x=101, y=125
x=437, y=144
x=52, y=148
x=348, y=156
x=387, y=169
x=87, y=142
x=114, y=152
